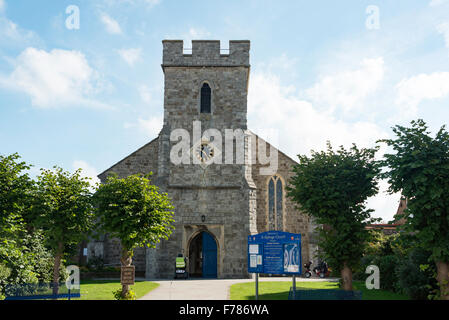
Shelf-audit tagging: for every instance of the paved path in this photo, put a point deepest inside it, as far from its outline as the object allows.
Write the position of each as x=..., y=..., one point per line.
x=202, y=289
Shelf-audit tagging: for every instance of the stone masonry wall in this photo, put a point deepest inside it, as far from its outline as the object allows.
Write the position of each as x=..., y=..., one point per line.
x=294, y=220
x=142, y=161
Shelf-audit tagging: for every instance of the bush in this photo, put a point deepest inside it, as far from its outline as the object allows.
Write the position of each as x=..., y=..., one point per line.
x=20, y=263
x=130, y=296
x=27, y=261
x=387, y=266
x=414, y=281
x=41, y=258
x=4, y=274
x=95, y=264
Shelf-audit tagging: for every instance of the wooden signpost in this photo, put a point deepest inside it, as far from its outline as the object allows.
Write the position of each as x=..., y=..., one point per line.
x=127, y=276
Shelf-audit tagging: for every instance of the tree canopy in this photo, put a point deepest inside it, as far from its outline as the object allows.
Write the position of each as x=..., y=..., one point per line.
x=134, y=211
x=333, y=186
x=15, y=189
x=419, y=169
x=62, y=209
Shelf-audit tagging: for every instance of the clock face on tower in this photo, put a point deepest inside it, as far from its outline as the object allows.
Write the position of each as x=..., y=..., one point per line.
x=204, y=152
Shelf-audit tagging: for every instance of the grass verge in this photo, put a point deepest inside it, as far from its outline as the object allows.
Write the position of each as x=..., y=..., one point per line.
x=102, y=289
x=278, y=290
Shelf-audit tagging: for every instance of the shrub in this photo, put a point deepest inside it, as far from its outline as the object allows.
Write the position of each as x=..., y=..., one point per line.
x=41, y=258
x=413, y=280
x=27, y=261
x=4, y=274
x=130, y=296
x=95, y=264
x=387, y=266
x=20, y=263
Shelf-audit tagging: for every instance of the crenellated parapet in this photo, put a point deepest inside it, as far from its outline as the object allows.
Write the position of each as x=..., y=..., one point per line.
x=206, y=53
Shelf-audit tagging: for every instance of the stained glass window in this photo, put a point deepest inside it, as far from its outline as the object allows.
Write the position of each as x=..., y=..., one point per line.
x=275, y=204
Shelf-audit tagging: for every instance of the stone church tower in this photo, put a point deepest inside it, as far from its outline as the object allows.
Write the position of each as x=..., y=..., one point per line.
x=215, y=180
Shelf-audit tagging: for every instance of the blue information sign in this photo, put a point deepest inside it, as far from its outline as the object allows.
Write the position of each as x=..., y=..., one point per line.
x=274, y=252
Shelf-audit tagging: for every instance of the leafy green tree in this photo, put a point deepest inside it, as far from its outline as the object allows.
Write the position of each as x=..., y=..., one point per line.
x=132, y=210
x=62, y=209
x=15, y=193
x=15, y=189
x=23, y=256
x=333, y=186
x=419, y=169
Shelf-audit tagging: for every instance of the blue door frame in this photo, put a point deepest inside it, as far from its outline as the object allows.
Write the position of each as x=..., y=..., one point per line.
x=209, y=256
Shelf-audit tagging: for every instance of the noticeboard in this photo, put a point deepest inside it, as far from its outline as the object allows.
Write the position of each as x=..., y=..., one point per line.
x=127, y=275
x=274, y=252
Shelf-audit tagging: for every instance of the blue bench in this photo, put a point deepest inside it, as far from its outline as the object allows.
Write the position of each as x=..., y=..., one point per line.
x=39, y=291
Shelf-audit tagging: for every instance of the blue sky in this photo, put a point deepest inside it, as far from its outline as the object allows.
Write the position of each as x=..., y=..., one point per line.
x=89, y=97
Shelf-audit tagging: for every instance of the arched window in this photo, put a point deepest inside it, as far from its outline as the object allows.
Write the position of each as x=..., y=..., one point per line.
x=275, y=204
x=205, y=99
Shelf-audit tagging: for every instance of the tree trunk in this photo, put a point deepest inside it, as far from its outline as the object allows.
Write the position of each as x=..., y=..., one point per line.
x=56, y=267
x=346, y=277
x=443, y=279
x=126, y=261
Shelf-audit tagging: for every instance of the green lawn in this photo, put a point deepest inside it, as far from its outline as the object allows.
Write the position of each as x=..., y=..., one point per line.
x=278, y=290
x=102, y=289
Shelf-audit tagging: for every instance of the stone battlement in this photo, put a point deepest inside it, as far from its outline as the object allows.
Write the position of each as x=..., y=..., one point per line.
x=205, y=53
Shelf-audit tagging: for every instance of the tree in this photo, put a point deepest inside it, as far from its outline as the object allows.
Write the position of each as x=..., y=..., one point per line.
x=132, y=210
x=62, y=209
x=419, y=169
x=15, y=192
x=23, y=257
x=333, y=187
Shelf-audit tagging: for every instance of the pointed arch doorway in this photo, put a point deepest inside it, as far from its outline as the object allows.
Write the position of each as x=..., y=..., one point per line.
x=203, y=256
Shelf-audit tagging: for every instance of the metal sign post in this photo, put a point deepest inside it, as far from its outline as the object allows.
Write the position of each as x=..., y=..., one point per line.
x=257, y=286
x=294, y=287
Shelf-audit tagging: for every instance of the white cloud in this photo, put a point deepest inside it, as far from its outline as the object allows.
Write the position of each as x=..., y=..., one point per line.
x=54, y=79
x=412, y=91
x=131, y=56
x=435, y=3
x=2, y=5
x=301, y=126
x=87, y=171
x=152, y=3
x=384, y=204
x=443, y=28
x=11, y=33
x=195, y=33
x=151, y=126
x=145, y=93
x=112, y=26
x=147, y=3
x=191, y=34
x=348, y=89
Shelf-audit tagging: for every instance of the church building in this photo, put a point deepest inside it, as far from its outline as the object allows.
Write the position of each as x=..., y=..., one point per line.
x=207, y=160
